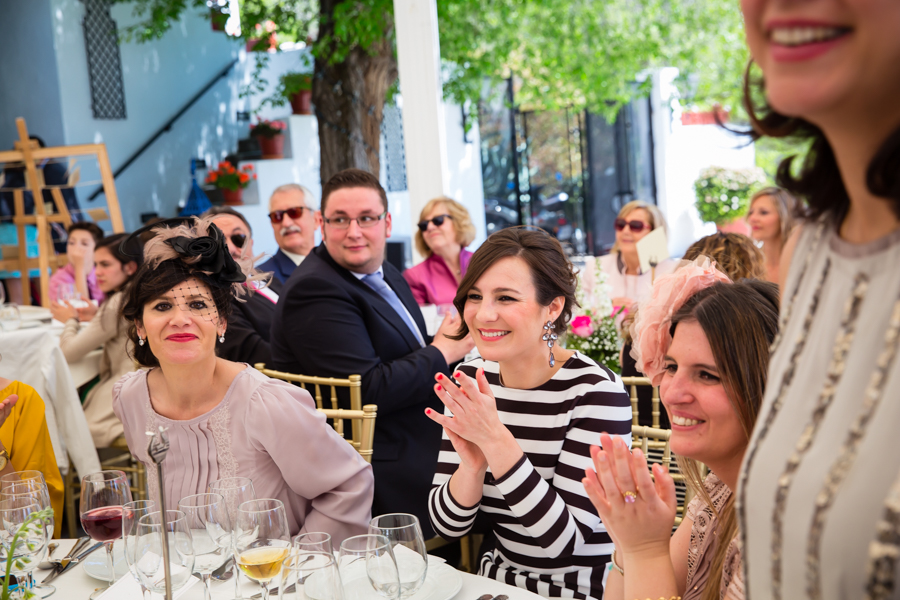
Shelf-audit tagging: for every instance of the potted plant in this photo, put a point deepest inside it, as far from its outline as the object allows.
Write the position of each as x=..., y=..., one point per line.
x=723, y=196
x=296, y=88
x=218, y=16
x=593, y=330
x=270, y=135
x=231, y=181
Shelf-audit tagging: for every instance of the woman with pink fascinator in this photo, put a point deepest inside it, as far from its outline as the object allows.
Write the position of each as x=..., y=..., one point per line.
x=705, y=341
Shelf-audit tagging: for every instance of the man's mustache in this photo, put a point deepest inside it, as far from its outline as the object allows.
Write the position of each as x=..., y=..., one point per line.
x=291, y=229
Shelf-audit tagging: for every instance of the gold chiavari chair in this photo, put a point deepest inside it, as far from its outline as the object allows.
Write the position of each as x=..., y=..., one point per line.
x=366, y=418
x=633, y=383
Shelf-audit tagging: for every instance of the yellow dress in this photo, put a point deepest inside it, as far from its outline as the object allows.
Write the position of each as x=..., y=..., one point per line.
x=27, y=440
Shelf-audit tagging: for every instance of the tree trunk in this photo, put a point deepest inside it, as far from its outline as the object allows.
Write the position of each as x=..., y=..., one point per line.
x=349, y=100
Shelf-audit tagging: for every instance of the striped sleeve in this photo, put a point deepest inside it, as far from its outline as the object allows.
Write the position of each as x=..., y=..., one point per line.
x=448, y=517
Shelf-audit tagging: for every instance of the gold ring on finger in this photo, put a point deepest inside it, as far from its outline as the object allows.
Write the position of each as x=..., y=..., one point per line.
x=629, y=497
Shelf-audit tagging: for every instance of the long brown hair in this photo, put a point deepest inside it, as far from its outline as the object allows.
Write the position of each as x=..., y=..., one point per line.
x=551, y=272
x=740, y=321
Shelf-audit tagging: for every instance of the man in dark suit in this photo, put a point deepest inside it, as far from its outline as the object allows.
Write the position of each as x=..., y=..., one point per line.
x=250, y=322
x=346, y=311
x=293, y=223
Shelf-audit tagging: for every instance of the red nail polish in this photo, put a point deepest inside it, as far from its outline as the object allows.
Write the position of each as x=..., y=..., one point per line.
x=440, y=389
x=457, y=374
x=427, y=411
x=440, y=376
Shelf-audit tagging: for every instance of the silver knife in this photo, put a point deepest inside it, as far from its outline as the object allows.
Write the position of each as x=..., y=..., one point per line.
x=79, y=544
x=72, y=562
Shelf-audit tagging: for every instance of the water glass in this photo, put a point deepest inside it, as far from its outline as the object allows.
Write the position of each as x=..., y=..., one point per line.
x=408, y=545
x=30, y=547
x=263, y=540
x=10, y=320
x=310, y=576
x=236, y=491
x=367, y=568
x=131, y=514
x=149, y=550
x=211, y=533
x=315, y=541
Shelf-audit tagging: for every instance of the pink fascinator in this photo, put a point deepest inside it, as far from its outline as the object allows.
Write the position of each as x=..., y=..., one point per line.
x=650, y=329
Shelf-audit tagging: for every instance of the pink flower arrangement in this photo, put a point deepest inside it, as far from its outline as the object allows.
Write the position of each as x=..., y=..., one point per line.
x=650, y=329
x=582, y=326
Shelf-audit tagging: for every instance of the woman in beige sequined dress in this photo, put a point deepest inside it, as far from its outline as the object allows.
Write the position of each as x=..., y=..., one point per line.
x=819, y=494
x=707, y=347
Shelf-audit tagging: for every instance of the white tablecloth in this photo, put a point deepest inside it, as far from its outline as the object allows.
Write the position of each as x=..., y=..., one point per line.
x=78, y=585
x=33, y=356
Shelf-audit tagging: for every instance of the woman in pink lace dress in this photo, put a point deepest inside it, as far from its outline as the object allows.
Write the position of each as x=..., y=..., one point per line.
x=705, y=341
x=226, y=419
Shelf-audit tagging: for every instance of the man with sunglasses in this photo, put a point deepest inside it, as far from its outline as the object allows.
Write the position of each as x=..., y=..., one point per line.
x=250, y=322
x=294, y=224
x=346, y=311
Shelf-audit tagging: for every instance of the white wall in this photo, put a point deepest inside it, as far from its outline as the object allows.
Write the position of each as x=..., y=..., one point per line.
x=159, y=78
x=681, y=152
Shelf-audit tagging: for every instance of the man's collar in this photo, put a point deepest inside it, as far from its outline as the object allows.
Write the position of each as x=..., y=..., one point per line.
x=360, y=276
x=296, y=258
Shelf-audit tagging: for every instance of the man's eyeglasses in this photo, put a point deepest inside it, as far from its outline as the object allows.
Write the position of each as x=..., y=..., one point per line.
x=238, y=239
x=294, y=212
x=438, y=221
x=364, y=221
x=635, y=226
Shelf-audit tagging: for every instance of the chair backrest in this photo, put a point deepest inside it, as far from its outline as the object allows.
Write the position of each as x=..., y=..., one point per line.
x=353, y=383
x=633, y=383
x=365, y=418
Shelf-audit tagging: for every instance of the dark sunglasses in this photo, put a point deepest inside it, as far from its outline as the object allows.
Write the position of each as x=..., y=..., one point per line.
x=294, y=212
x=238, y=239
x=635, y=226
x=438, y=221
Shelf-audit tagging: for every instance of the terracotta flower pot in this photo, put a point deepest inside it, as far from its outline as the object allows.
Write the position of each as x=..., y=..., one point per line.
x=739, y=225
x=301, y=102
x=233, y=197
x=272, y=147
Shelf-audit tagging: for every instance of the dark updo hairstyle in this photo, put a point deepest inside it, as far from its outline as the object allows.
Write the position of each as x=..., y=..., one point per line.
x=551, y=272
x=819, y=181
x=149, y=284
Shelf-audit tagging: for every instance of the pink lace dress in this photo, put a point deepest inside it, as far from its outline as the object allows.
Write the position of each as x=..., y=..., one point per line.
x=703, y=545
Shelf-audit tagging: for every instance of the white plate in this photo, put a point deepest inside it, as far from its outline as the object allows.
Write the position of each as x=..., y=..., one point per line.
x=34, y=313
x=95, y=563
x=441, y=583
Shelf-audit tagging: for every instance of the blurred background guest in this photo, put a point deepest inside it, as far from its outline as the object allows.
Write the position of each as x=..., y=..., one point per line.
x=771, y=220
x=515, y=448
x=622, y=266
x=445, y=229
x=292, y=214
x=114, y=269
x=224, y=418
x=250, y=322
x=78, y=275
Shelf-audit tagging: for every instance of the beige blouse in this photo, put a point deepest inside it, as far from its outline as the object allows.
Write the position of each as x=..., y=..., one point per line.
x=704, y=541
x=107, y=330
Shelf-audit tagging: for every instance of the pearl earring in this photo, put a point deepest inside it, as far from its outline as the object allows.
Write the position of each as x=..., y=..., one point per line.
x=140, y=341
x=222, y=338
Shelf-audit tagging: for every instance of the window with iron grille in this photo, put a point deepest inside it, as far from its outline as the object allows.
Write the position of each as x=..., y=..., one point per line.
x=104, y=61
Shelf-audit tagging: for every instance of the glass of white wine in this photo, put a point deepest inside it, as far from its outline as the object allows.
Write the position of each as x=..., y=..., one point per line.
x=263, y=540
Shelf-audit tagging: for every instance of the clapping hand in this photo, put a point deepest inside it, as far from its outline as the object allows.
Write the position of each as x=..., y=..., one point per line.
x=638, y=512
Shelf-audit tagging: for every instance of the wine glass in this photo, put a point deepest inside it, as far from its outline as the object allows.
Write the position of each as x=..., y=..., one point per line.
x=236, y=491
x=408, y=545
x=263, y=540
x=27, y=546
x=10, y=320
x=34, y=491
x=149, y=550
x=310, y=575
x=367, y=568
x=211, y=534
x=314, y=541
x=131, y=514
x=103, y=494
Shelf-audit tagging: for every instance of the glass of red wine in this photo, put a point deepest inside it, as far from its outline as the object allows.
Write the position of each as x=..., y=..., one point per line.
x=103, y=496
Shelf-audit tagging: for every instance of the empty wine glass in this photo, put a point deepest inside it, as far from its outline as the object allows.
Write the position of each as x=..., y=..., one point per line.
x=210, y=530
x=310, y=576
x=314, y=541
x=263, y=540
x=35, y=491
x=408, y=545
x=131, y=514
x=367, y=568
x=236, y=491
x=149, y=550
x=103, y=494
x=27, y=545
x=10, y=320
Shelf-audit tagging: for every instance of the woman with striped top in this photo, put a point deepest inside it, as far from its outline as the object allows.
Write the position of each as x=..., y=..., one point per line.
x=520, y=422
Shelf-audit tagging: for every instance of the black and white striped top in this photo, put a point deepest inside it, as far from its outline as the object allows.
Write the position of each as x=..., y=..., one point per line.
x=549, y=539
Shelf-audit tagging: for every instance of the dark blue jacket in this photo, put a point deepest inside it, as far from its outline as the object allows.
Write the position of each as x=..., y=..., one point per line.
x=280, y=264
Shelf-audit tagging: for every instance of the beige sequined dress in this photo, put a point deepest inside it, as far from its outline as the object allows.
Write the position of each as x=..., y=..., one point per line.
x=819, y=494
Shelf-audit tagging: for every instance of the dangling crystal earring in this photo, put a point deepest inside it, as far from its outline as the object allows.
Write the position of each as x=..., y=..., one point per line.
x=140, y=341
x=550, y=338
x=222, y=338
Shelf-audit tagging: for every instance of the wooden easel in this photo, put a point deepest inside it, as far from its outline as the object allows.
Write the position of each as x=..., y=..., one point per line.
x=30, y=154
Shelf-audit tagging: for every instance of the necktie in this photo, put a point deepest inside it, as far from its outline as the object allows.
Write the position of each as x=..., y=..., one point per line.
x=376, y=282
